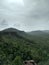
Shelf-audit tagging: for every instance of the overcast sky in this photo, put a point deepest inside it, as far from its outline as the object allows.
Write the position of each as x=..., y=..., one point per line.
x=27, y=15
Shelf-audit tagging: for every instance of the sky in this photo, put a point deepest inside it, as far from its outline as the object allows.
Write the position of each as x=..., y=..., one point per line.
x=25, y=15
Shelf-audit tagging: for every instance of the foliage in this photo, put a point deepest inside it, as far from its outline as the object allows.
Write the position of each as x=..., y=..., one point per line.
x=14, y=49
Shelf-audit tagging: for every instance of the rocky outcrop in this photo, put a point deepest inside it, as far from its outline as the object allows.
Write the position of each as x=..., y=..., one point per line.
x=30, y=62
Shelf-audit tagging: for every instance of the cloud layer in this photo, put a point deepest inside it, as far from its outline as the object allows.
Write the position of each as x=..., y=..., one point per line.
x=27, y=16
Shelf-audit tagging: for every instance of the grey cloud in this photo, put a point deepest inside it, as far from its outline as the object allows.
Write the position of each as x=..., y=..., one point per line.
x=3, y=24
x=33, y=15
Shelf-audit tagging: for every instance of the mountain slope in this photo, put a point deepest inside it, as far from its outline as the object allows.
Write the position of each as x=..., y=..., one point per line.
x=18, y=32
x=40, y=37
x=14, y=48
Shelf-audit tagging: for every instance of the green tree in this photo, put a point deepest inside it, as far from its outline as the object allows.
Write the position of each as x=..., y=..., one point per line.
x=17, y=61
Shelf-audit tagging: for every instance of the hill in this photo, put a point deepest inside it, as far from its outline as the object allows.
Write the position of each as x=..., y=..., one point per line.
x=14, y=30
x=16, y=46
x=39, y=33
x=41, y=37
x=46, y=31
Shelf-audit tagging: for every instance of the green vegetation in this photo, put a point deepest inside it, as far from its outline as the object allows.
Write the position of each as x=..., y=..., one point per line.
x=14, y=49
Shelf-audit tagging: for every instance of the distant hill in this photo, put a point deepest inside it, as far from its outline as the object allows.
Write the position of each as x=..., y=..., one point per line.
x=39, y=33
x=46, y=31
x=10, y=30
x=40, y=37
x=13, y=30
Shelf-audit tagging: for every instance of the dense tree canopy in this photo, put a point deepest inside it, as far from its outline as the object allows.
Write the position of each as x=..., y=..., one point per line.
x=14, y=49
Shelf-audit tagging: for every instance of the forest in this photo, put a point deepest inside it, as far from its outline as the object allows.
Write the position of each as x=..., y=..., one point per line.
x=14, y=49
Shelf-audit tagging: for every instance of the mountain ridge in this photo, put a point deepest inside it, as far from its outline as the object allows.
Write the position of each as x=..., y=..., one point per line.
x=39, y=32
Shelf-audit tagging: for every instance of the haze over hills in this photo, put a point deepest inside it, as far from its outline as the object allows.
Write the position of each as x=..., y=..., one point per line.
x=36, y=36
x=33, y=35
x=40, y=36
x=47, y=31
x=39, y=33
